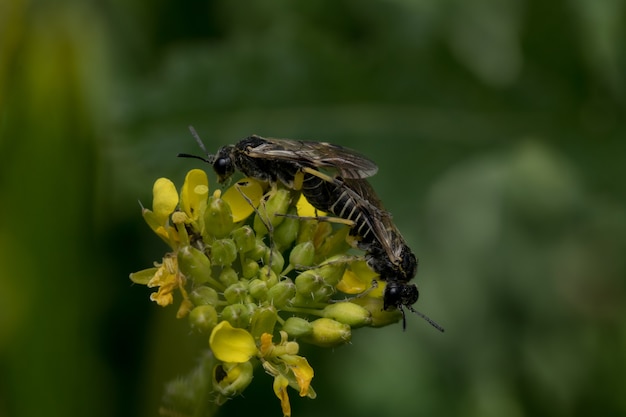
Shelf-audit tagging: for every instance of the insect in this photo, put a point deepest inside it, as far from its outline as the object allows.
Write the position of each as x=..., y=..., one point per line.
x=346, y=194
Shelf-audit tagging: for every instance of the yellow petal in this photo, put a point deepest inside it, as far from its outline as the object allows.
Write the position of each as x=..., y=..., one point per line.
x=357, y=278
x=194, y=194
x=280, y=389
x=302, y=371
x=266, y=344
x=231, y=344
x=241, y=206
x=305, y=209
x=164, y=198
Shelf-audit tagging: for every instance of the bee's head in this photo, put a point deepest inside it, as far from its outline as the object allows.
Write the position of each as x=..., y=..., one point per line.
x=222, y=162
x=398, y=294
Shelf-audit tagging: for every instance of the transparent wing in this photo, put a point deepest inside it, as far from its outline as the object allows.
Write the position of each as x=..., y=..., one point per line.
x=345, y=161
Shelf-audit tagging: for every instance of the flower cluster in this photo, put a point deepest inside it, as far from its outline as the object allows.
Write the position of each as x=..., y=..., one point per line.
x=258, y=272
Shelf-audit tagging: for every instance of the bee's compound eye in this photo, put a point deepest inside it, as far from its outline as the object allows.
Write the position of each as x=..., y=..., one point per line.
x=223, y=167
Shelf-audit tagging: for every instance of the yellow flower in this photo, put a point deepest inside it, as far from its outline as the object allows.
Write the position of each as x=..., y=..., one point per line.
x=287, y=368
x=167, y=278
x=164, y=202
x=194, y=194
x=230, y=344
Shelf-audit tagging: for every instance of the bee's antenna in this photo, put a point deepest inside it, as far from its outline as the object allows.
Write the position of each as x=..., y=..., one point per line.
x=209, y=159
x=422, y=315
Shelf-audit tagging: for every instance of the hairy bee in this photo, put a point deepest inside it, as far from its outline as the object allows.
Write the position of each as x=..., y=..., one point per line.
x=345, y=192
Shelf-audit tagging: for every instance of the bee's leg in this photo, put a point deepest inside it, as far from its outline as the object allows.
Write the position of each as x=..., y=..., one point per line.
x=328, y=219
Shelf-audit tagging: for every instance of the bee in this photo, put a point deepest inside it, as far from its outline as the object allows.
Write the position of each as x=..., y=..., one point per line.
x=301, y=165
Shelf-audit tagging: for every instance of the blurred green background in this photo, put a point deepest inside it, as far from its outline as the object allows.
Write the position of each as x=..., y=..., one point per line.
x=499, y=130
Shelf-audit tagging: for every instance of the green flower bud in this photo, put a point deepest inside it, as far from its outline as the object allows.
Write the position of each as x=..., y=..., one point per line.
x=277, y=261
x=307, y=230
x=335, y=243
x=244, y=239
x=238, y=315
x=203, y=318
x=194, y=264
x=236, y=293
x=228, y=276
x=308, y=282
x=328, y=333
x=258, y=289
x=380, y=317
x=263, y=321
x=297, y=327
x=281, y=294
x=332, y=270
x=348, y=313
x=223, y=252
x=218, y=219
x=259, y=251
x=269, y=276
x=303, y=254
x=249, y=268
x=231, y=379
x=287, y=232
x=277, y=203
x=204, y=295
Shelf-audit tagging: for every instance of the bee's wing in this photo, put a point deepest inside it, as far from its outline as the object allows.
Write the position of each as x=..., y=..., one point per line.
x=348, y=163
x=381, y=222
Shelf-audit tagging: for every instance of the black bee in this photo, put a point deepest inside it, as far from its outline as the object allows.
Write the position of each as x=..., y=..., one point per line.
x=301, y=165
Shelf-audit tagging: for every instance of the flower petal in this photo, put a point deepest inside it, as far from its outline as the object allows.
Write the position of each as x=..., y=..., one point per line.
x=230, y=344
x=194, y=194
x=164, y=198
x=357, y=278
x=280, y=389
x=302, y=371
x=305, y=209
x=234, y=196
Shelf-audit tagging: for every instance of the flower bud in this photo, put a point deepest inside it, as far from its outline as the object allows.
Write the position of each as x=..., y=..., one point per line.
x=194, y=264
x=277, y=203
x=223, y=252
x=263, y=321
x=307, y=229
x=303, y=254
x=332, y=270
x=203, y=318
x=379, y=316
x=218, y=219
x=276, y=260
x=259, y=251
x=249, y=268
x=297, y=327
x=238, y=315
x=334, y=243
x=308, y=282
x=228, y=276
x=348, y=313
x=204, y=295
x=237, y=292
x=281, y=294
x=231, y=379
x=244, y=239
x=328, y=333
x=286, y=232
x=267, y=275
x=258, y=289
